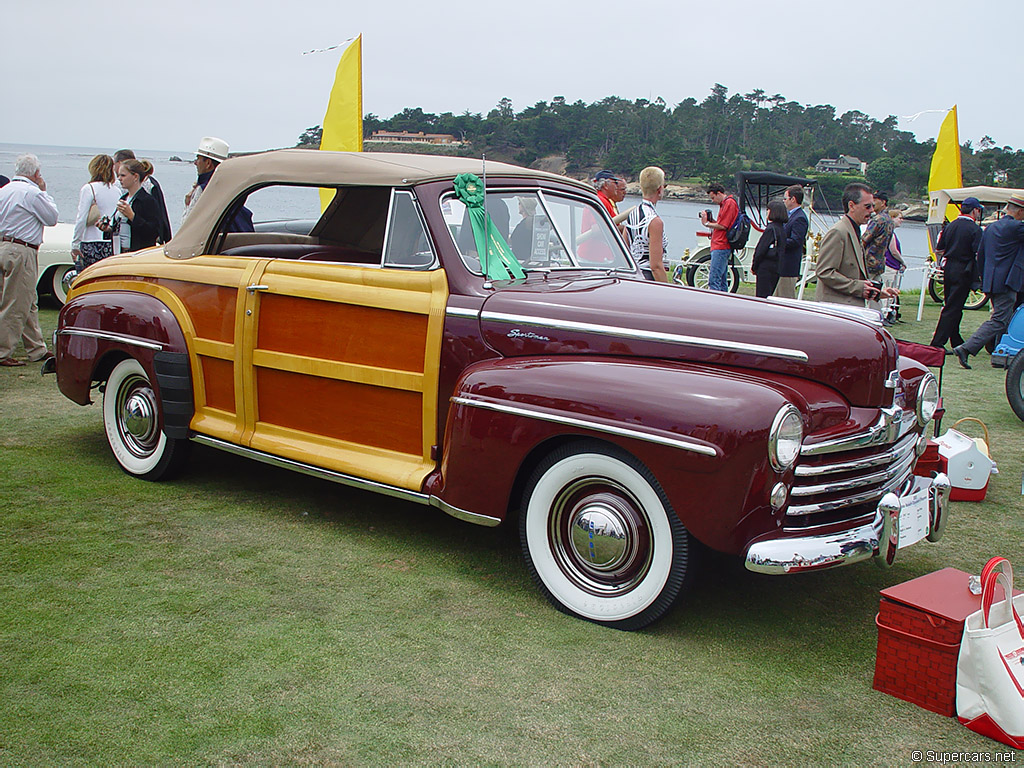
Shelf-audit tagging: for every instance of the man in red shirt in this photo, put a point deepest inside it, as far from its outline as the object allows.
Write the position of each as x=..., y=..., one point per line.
x=611, y=189
x=728, y=210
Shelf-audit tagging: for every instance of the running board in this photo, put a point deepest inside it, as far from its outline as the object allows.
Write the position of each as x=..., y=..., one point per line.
x=350, y=480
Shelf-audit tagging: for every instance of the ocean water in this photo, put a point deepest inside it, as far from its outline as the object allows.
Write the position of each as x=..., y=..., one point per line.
x=66, y=170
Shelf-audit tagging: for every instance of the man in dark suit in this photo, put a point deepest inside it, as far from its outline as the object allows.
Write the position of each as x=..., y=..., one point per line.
x=796, y=237
x=842, y=273
x=958, y=245
x=1001, y=261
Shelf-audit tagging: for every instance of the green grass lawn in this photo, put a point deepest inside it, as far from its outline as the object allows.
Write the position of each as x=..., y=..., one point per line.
x=245, y=614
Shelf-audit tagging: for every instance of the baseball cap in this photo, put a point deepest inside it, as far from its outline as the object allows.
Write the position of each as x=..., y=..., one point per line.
x=602, y=175
x=969, y=204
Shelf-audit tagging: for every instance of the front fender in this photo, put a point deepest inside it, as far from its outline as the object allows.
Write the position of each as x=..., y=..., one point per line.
x=96, y=329
x=701, y=430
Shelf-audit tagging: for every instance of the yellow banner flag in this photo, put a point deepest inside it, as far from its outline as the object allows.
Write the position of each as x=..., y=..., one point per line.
x=945, y=171
x=343, y=123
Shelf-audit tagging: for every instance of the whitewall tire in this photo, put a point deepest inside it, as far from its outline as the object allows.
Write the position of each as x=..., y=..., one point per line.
x=131, y=419
x=601, y=538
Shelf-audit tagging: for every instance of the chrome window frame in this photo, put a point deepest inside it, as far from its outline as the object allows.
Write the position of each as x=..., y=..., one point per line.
x=435, y=262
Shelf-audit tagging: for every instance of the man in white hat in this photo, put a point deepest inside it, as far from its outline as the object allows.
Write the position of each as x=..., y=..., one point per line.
x=211, y=153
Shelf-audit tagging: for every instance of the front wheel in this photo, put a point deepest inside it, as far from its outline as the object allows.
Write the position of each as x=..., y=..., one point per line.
x=698, y=274
x=1015, y=384
x=601, y=538
x=131, y=419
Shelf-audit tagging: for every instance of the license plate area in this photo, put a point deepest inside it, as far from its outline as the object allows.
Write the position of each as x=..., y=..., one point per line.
x=914, y=518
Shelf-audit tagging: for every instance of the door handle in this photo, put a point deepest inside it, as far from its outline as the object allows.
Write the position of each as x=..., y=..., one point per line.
x=254, y=288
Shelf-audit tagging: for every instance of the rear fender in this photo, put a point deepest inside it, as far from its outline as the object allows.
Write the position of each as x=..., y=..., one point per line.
x=702, y=432
x=98, y=329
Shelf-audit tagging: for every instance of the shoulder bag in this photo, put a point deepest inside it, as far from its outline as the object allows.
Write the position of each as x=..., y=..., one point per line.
x=990, y=668
x=94, y=210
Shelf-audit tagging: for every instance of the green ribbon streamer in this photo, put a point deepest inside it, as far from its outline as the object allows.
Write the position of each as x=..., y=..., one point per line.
x=501, y=263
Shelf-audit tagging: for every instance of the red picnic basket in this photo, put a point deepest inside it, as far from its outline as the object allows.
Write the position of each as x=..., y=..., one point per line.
x=920, y=625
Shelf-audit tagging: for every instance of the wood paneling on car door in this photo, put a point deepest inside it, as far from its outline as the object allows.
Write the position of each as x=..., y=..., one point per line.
x=344, y=367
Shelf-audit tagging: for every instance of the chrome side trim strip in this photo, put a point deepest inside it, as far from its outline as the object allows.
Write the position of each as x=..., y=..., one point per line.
x=309, y=469
x=462, y=312
x=634, y=333
x=350, y=480
x=462, y=514
x=571, y=421
x=107, y=336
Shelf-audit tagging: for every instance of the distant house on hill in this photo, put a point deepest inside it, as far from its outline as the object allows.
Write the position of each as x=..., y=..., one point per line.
x=404, y=137
x=842, y=164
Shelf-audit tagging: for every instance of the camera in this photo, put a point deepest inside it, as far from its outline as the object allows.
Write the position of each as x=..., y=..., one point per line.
x=877, y=284
x=707, y=213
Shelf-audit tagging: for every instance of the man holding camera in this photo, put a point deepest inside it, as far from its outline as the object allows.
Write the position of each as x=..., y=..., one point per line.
x=842, y=273
x=728, y=210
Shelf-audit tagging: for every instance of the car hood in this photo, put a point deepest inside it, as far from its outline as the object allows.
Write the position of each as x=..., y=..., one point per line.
x=597, y=314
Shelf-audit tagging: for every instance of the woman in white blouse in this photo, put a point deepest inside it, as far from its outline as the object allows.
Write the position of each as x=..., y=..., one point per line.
x=88, y=245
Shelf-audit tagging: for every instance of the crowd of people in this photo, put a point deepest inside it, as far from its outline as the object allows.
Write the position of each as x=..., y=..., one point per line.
x=860, y=259
x=121, y=209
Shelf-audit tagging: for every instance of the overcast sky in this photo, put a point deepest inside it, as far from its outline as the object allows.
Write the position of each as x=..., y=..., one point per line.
x=161, y=74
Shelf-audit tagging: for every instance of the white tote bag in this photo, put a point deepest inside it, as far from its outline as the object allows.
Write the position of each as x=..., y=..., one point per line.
x=990, y=669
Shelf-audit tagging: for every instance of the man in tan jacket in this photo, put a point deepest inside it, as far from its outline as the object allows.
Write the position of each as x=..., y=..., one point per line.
x=842, y=274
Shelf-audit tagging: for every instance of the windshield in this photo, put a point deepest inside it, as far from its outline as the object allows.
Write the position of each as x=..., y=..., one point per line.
x=544, y=231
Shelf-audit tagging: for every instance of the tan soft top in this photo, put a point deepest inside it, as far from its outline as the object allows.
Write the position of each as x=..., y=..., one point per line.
x=380, y=169
x=938, y=199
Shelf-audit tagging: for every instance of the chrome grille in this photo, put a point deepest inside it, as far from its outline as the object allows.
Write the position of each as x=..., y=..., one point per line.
x=847, y=478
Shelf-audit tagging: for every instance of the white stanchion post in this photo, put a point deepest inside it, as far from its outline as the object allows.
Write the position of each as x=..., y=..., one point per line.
x=803, y=277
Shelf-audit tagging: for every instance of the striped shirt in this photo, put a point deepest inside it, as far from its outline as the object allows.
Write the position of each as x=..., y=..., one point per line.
x=637, y=222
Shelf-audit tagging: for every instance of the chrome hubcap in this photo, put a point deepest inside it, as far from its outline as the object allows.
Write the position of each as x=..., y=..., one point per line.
x=136, y=417
x=67, y=279
x=600, y=536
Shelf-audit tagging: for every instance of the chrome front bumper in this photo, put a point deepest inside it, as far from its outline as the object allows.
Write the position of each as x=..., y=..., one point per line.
x=878, y=539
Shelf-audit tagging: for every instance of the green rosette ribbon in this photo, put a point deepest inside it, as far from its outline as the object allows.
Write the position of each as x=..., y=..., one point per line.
x=499, y=262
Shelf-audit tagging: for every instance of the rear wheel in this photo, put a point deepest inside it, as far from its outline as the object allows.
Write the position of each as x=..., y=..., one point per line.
x=697, y=274
x=600, y=537
x=1015, y=384
x=131, y=419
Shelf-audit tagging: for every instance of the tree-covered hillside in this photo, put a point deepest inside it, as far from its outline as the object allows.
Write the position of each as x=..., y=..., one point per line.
x=709, y=139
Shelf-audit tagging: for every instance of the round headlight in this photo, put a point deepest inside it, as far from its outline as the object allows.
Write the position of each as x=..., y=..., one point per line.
x=785, y=438
x=927, y=399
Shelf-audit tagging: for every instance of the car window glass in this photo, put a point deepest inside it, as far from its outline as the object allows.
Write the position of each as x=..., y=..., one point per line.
x=408, y=245
x=538, y=231
x=589, y=238
x=288, y=224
